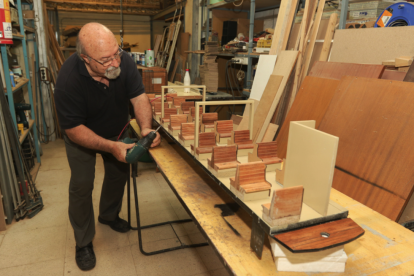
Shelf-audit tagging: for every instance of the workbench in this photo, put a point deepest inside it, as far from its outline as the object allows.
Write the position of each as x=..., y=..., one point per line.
x=386, y=248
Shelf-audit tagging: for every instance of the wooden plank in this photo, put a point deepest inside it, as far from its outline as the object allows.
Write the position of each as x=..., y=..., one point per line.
x=270, y=133
x=283, y=26
x=244, y=124
x=310, y=162
x=328, y=37
x=311, y=45
x=374, y=157
x=311, y=103
x=311, y=238
x=337, y=70
x=157, y=44
x=265, y=104
x=286, y=202
x=264, y=69
x=393, y=75
x=356, y=45
x=304, y=31
x=284, y=66
x=403, y=61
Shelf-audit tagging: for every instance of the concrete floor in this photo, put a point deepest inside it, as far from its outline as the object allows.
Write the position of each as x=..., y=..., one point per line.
x=45, y=245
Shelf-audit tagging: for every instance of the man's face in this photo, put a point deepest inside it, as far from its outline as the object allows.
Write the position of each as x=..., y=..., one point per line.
x=105, y=61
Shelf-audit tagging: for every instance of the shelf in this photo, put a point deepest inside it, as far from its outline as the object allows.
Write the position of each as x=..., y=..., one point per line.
x=26, y=28
x=18, y=36
x=26, y=131
x=19, y=85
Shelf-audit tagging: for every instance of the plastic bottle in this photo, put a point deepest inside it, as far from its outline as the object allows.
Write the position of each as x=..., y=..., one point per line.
x=187, y=80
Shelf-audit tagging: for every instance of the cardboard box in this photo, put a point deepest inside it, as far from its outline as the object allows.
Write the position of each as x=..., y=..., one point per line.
x=153, y=78
x=361, y=24
x=28, y=14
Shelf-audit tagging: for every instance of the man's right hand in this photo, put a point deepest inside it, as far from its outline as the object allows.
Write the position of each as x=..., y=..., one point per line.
x=119, y=150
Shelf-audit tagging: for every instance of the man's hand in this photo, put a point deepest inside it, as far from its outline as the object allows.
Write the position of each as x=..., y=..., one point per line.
x=119, y=150
x=157, y=139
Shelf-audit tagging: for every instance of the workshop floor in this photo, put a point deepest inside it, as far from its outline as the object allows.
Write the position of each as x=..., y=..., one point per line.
x=45, y=245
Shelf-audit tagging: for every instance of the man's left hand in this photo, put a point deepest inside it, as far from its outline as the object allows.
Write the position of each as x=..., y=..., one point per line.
x=157, y=139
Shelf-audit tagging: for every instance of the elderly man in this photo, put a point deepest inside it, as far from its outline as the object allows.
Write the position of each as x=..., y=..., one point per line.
x=92, y=95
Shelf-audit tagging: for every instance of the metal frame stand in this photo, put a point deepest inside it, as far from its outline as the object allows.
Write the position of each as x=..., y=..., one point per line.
x=134, y=175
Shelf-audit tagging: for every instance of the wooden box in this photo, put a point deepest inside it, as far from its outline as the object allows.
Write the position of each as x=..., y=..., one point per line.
x=153, y=78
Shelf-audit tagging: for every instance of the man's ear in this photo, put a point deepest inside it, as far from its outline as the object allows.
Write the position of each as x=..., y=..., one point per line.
x=85, y=58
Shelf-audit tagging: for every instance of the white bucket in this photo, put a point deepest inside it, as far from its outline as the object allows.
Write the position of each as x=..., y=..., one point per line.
x=149, y=58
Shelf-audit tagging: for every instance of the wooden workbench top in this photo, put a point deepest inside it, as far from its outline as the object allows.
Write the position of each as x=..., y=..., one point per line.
x=385, y=249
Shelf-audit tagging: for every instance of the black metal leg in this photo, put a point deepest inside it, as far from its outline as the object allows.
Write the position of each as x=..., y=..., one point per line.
x=139, y=227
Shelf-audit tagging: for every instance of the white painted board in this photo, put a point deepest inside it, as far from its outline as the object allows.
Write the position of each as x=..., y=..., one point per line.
x=310, y=162
x=264, y=69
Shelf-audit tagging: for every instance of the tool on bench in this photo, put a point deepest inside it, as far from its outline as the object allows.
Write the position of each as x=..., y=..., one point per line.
x=140, y=147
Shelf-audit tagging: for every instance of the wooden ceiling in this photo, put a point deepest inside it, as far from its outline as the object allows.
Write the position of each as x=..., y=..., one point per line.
x=138, y=7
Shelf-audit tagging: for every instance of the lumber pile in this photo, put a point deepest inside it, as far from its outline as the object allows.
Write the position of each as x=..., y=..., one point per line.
x=276, y=93
x=55, y=60
x=209, y=69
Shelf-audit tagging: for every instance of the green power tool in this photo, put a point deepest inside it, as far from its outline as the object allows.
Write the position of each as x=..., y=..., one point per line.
x=140, y=147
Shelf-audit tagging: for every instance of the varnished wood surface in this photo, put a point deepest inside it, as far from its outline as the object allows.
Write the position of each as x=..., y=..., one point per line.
x=385, y=248
x=322, y=236
x=336, y=70
x=312, y=101
x=375, y=160
x=286, y=202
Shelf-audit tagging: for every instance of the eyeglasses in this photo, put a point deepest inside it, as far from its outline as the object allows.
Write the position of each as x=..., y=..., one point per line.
x=108, y=62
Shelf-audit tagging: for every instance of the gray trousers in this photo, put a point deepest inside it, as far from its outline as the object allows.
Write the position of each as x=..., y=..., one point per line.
x=82, y=165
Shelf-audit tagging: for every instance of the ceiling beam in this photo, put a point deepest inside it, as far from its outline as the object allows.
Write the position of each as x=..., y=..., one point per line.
x=168, y=11
x=149, y=13
x=143, y=6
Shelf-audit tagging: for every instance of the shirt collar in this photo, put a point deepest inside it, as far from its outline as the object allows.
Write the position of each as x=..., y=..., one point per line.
x=82, y=68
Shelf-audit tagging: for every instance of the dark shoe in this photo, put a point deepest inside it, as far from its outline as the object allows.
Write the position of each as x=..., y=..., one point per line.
x=119, y=225
x=85, y=257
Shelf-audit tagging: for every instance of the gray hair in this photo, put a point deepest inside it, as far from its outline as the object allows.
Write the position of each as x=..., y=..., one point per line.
x=79, y=48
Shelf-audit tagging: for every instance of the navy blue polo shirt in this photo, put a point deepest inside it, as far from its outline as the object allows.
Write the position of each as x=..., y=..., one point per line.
x=80, y=100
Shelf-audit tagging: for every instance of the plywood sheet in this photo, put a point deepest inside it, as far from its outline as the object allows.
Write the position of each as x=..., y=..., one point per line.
x=265, y=68
x=336, y=70
x=373, y=120
x=311, y=103
x=265, y=104
x=372, y=45
x=284, y=65
x=310, y=162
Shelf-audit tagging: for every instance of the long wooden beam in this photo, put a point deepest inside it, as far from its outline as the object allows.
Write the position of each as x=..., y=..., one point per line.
x=148, y=13
x=166, y=11
x=144, y=6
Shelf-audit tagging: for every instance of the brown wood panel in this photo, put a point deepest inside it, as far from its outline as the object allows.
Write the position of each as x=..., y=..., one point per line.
x=311, y=103
x=311, y=239
x=393, y=75
x=366, y=193
x=286, y=202
x=373, y=120
x=336, y=70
